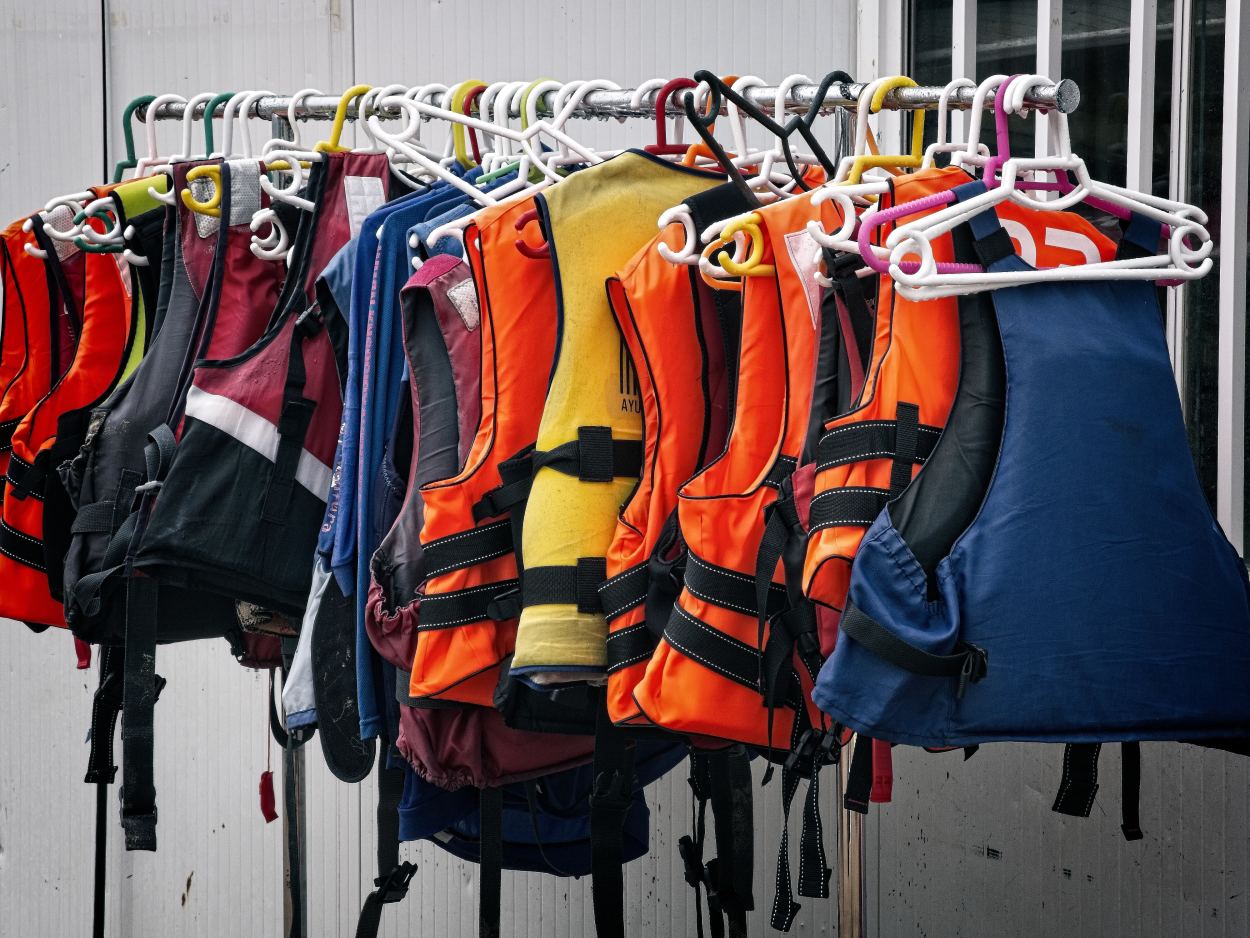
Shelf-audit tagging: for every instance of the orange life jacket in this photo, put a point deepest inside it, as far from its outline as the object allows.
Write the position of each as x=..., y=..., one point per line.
x=868, y=455
x=26, y=346
x=668, y=320
x=707, y=675
x=98, y=297
x=470, y=601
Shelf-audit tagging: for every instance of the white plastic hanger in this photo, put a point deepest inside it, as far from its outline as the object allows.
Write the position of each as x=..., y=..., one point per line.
x=942, y=144
x=1180, y=262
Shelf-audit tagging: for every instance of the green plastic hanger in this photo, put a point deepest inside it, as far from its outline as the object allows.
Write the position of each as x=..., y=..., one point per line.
x=128, y=135
x=210, y=111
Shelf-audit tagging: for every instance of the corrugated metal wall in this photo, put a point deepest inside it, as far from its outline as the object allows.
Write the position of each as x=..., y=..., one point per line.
x=966, y=849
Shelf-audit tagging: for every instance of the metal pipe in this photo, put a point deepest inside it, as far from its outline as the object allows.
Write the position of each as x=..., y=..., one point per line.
x=1064, y=97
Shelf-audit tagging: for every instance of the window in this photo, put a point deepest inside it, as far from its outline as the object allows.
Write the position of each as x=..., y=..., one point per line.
x=1182, y=152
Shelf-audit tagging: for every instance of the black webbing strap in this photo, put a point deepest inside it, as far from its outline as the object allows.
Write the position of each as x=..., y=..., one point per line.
x=623, y=592
x=690, y=848
x=26, y=479
x=906, y=446
x=105, y=708
x=730, y=589
x=1139, y=237
x=793, y=625
x=872, y=439
x=611, y=796
x=468, y=548
x=490, y=862
x=968, y=662
x=1130, y=795
x=784, y=907
x=814, y=869
x=780, y=471
x=140, y=686
x=297, y=412
x=516, y=475
x=1079, y=783
x=575, y=584
x=713, y=649
x=138, y=702
x=96, y=518
x=23, y=548
x=993, y=245
x=629, y=646
x=666, y=570
x=858, y=792
x=856, y=505
x=732, y=812
x=391, y=883
x=474, y=604
x=593, y=457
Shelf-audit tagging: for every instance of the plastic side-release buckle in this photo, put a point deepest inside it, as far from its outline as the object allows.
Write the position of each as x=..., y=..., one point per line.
x=310, y=321
x=394, y=885
x=612, y=791
x=695, y=873
x=976, y=664
x=505, y=605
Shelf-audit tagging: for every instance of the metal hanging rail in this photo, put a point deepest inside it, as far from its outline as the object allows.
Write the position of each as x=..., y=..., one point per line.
x=1063, y=96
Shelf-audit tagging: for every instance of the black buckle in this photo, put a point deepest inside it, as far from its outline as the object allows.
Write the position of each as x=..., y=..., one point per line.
x=611, y=792
x=394, y=885
x=506, y=605
x=310, y=321
x=692, y=860
x=976, y=663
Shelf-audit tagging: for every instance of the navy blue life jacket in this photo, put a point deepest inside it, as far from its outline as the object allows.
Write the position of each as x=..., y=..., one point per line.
x=1054, y=574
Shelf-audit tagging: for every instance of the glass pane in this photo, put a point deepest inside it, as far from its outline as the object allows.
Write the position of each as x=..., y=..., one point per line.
x=1201, y=334
x=1163, y=98
x=1007, y=45
x=931, y=51
x=1095, y=56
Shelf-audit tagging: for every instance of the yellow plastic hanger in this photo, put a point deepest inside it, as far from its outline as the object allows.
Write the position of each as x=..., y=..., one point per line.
x=458, y=131
x=212, y=205
x=716, y=283
x=912, y=160
x=340, y=118
x=750, y=266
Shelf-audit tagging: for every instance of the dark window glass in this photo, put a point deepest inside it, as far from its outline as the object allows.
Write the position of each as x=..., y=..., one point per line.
x=1202, y=311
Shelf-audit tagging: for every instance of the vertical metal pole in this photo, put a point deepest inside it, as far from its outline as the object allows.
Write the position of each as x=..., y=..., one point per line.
x=1230, y=488
x=850, y=829
x=1142, y=40
x=1049, y=62
x=963, y=55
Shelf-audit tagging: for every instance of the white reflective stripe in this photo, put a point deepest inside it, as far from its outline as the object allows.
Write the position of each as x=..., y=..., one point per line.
x=255, y=432
x=1073, y=241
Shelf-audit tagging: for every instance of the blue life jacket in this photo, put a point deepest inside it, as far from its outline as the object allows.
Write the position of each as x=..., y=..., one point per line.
x=1054, y=574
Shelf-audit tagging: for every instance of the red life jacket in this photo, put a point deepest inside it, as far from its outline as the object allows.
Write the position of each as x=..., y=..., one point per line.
x=98, y=359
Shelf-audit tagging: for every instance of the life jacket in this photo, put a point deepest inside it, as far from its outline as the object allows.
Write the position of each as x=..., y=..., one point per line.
x=507, y=798
x=100, y=304
x=468, y=612
x=216, y=304
x=870, y=452
x=589, y=445
x=243, y=474
x=241, y=499
x=675, y=328
x=32, y=330
x=136, y=210
x=1040, y=580
x=711, y=648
